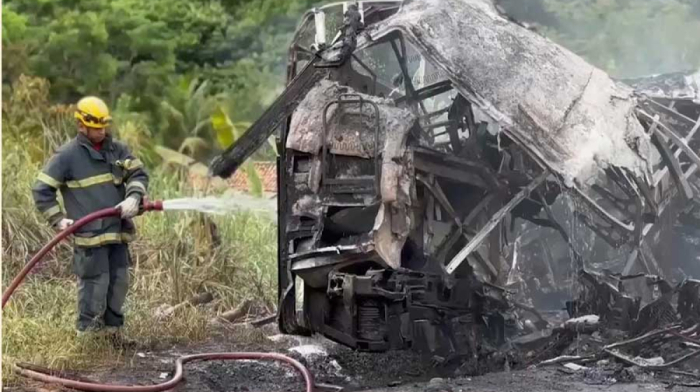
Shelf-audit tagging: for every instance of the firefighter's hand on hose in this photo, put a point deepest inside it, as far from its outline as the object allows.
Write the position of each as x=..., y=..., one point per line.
x=129, y=207
x=63, y=224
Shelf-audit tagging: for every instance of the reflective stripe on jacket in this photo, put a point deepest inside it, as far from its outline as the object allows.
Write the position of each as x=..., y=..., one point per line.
x=90, y=180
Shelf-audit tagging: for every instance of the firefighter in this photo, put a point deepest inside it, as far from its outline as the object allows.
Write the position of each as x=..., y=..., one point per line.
x=92, y=172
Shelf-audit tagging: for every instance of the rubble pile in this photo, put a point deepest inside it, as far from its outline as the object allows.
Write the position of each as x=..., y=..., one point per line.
x=613, y=336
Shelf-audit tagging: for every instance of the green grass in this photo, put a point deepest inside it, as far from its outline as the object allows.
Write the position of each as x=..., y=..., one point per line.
x=175, y=256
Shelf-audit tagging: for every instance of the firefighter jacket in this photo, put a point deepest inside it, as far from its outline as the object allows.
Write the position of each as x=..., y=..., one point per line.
x=91, y=180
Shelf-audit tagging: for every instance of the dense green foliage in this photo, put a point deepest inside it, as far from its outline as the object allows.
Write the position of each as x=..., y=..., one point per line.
x=149, y=57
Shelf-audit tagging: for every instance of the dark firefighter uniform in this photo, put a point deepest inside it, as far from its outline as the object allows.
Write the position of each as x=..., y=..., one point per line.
x=89, y=180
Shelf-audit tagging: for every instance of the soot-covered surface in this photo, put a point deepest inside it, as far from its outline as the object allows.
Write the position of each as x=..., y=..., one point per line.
x=334, y=364
x=330, y=364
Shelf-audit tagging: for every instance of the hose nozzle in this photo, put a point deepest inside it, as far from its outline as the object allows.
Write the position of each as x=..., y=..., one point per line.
x=147, y=205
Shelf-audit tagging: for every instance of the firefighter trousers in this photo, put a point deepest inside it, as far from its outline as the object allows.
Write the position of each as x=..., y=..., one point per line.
x=103, y=274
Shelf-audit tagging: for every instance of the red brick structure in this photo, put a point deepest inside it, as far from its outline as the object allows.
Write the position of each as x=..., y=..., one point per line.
x=268, y=175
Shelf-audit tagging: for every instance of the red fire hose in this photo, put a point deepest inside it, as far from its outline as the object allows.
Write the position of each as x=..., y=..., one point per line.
x=43, y=251
x=179, y=373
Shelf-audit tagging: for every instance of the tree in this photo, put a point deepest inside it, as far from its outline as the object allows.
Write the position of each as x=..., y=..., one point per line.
x=142, y=50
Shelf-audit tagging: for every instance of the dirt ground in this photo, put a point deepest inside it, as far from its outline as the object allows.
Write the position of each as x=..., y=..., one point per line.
x=540, y=380
x=334, y=364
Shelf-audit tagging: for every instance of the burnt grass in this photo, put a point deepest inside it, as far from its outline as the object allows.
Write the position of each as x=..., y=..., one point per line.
x=359, y=371
x=330, y=363
x=336, y=365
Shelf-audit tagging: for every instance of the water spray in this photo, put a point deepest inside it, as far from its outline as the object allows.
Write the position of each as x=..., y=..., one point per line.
x=146, y=206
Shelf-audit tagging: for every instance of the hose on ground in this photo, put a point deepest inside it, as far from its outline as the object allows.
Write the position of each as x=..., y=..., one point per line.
x=179, y=363
x=177, y=377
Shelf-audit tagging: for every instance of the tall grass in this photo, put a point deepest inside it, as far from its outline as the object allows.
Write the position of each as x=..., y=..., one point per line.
x=175, y=256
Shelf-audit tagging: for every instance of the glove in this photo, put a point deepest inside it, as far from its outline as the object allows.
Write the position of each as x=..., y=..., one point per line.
x=129, y=207
x=63, y=224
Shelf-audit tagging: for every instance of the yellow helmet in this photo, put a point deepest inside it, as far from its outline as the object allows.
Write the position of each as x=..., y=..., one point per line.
x=93, y=112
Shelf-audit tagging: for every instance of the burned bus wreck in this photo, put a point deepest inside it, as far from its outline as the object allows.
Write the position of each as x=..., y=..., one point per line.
x=429, y=149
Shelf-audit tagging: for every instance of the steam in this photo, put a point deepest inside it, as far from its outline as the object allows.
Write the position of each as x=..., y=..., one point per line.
x=627, y=39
